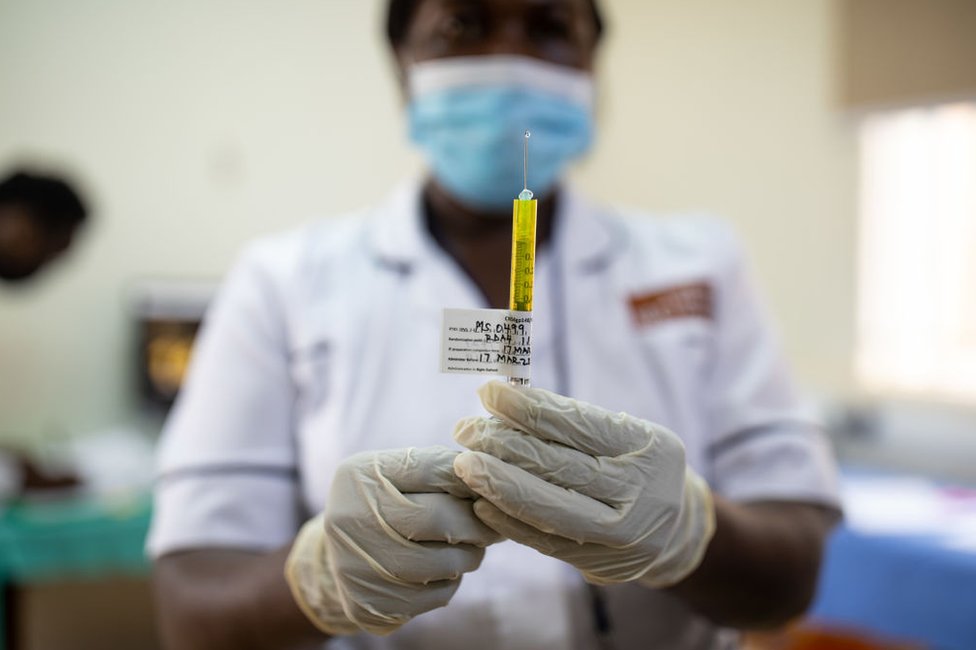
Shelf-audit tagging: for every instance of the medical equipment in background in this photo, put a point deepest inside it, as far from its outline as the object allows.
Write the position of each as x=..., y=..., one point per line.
x=167, y=315
x=524, y=211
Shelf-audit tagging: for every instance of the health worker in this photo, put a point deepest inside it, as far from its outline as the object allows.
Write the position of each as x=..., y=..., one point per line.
x=322, y=483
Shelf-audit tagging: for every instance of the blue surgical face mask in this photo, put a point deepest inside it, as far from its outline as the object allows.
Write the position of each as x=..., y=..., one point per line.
x=469, y=114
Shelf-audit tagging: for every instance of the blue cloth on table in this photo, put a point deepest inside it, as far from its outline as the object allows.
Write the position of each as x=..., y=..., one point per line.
x=906, y=587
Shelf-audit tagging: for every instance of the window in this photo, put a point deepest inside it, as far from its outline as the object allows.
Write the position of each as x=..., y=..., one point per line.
x=917, y=253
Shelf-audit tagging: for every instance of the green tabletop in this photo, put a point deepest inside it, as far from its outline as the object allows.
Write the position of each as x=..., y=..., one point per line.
x=74, y=537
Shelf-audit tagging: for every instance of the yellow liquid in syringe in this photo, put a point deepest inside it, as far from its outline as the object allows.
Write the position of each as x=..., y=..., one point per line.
x=523, y=252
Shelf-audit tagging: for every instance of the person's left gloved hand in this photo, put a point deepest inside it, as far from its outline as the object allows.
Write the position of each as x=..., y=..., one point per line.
x=606, y=492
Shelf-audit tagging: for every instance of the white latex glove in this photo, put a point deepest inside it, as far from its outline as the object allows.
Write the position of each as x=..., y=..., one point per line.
x=606, y=492
x=397, y=533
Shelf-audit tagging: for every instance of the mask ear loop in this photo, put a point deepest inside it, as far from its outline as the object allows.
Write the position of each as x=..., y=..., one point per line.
x=401, y=68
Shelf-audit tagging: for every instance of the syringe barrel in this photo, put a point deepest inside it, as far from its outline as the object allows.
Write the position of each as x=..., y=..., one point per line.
x=523, y=255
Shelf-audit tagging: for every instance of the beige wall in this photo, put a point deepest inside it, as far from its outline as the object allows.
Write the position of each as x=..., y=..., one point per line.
x=198, y=125
x=905, y=52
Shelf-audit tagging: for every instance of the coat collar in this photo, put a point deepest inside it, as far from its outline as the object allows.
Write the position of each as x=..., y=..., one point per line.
x=587, y=235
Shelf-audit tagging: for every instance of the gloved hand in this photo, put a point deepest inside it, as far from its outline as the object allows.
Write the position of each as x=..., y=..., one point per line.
x=606, y=492
x=397, y=533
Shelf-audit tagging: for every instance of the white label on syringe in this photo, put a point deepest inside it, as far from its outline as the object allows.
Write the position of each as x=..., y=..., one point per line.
x=487, y=342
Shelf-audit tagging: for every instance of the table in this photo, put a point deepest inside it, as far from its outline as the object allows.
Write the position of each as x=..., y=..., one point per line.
x=907, y=569
x=80, y=536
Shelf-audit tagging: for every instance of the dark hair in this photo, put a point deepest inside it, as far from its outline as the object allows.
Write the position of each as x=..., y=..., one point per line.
x=400, y=12
x=49, y=198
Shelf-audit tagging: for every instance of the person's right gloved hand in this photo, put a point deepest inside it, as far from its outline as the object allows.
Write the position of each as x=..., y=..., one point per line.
x=396, y=535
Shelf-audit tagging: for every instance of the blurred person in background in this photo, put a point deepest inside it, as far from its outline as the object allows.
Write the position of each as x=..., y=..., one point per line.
x=664, y=491
x=39, y=217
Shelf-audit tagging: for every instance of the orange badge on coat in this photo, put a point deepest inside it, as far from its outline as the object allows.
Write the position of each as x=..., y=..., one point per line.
x=683, y=301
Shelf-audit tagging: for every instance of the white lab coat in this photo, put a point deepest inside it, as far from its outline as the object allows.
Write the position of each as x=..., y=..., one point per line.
x=325, y=342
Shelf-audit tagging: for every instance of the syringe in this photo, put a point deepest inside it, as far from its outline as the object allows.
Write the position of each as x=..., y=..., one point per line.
x=523, y=248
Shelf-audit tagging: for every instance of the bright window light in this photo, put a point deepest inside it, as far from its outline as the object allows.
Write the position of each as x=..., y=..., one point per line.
x=917, y=262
